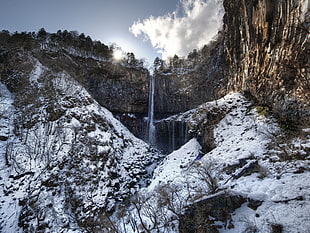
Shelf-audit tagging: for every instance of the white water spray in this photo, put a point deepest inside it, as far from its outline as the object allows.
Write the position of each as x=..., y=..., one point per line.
x=151, y=126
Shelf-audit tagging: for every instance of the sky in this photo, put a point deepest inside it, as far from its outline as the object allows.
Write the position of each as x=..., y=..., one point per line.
x=148, y=28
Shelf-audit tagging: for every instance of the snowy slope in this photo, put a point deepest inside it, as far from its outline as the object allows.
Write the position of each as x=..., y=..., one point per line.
x=172, y=167
x=9, y=206
x=65, y=160
x=247, y=160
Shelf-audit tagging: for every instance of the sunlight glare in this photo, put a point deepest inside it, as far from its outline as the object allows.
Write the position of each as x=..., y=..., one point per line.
x=118, y=54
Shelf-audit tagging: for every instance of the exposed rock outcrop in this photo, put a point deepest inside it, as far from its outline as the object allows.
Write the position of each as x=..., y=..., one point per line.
x=203, y=215
x=267, y=54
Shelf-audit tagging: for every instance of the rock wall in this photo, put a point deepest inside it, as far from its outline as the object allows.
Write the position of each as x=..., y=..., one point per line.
x=187, y=88
x=267, y=54
x=121, y=89
x=264, y=51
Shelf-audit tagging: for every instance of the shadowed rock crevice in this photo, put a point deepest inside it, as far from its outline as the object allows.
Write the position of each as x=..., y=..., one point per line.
x=212, y=213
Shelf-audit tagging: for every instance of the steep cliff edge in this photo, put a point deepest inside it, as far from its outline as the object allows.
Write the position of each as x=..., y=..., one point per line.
x=267, y=54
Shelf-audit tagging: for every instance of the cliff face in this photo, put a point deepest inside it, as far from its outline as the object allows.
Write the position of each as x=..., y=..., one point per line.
x=116, y=87
x=187, y=87
x=267, y=54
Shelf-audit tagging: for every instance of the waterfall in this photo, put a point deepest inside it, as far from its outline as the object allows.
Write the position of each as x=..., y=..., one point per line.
x=151, y=126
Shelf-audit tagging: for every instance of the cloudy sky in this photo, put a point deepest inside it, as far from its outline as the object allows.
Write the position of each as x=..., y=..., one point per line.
x=149, y=28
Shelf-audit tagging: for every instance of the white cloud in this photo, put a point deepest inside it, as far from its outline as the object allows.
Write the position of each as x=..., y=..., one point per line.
x=174, y=34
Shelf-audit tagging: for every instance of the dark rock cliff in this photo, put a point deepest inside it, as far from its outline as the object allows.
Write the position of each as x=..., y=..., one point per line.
x=263, y=52
x=116, y=87
x=188, y=87
x=267, y=54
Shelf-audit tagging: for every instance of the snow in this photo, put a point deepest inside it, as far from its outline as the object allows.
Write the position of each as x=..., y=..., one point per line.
x=36, y=73
x=6, y=109
x=9, y=207
x=243, y=134
x=239, y=135
x=172, y=167
x=100, y=135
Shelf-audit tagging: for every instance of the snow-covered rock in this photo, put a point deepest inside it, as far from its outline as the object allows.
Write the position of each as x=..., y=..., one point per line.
x=65, y=160
x=248, y=160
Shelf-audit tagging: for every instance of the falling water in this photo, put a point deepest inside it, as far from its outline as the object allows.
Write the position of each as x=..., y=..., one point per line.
x=151, y=126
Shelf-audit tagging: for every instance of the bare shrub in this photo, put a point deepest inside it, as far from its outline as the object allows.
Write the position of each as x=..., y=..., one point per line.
x=205, y=174
x=157, y=210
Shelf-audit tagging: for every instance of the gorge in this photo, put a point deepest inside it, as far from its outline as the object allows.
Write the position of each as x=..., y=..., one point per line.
x=72, y=119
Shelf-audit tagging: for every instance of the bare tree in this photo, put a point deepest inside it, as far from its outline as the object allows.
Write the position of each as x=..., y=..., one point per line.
x=206, y=173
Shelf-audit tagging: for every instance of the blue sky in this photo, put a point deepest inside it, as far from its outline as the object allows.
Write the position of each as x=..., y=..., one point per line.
x=128, y=23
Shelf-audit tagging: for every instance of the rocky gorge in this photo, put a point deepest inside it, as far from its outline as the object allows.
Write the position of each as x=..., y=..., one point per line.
x=67, y=164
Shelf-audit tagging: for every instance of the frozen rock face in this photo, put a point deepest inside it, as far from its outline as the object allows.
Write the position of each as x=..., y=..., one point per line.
x=267, y=46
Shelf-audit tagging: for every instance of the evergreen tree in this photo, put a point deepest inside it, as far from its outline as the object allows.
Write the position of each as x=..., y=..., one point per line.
x=158, y=64
x=42, y=34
